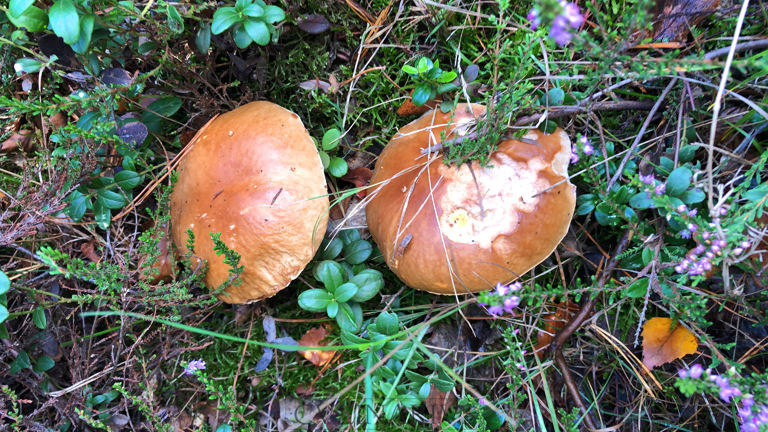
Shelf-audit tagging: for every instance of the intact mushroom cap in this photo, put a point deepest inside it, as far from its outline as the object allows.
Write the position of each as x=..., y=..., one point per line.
x=254, y=176
x=449, y=241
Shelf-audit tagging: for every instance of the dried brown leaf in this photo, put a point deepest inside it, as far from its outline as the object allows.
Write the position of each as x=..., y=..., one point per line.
x=89, y=250
x=437, y=404
x=360, y=177
x=314, y=338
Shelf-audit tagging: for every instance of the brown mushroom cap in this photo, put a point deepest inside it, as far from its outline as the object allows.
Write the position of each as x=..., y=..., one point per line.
x=520, y=223
x=255, y=176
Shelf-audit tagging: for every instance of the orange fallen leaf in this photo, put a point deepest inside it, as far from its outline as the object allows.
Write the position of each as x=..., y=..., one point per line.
x=360, y=177
x=89, y=250
x=663, y=344
x=438, y=403
x=409, y=109
x=313, y=338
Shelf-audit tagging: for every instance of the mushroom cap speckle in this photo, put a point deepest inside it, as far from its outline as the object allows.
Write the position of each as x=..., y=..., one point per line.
x=449, y=241
x=255, y=176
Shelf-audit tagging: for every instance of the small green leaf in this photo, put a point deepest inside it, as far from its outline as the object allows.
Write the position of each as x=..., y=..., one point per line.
x=3, y=331
x=315, y=300
x=28, y=65
x=127, y=180
x=424, y=64
x=110, y=199
x=678, y=181
x=325, y=159
x=585, y=208
x=166, y=106
x=223, y=19
x=409, y=400
x=102, y=215
x=175, y=22
x=555, y=97
x=446, y=77
x=692, y=196
x=33, y=19
x=348, y=338
x=443, y=385
x=21, y=362
x=757, y=194
x=64, y=21
x=5, y=283
x=413, y=376
x=345, y=292
x=331, y=139
x=641, y=201
x=203, y=38
x=3, y=314
x=349, y=236
x=421, y=94
x=368, y=284
x=357, y=252
x=350, y=317
x=242, y=38
x=424, y=389
x=329, y=250
x=38, y=317
x=410, y=70
x=331, y=274
x=253, y=10
x=77, y=206
x=638, y=289
x=387, y=323
x=43, y=364
x=86, y=30
x=391, y=409
x=337, y=167
x=257, y=30
x=332, y=309
x=273, y=14
x=17, y=7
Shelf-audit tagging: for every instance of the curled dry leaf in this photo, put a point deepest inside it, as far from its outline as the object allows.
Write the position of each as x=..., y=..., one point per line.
x=409, y=109
x=21, y=140
x=361, y=178
x=314, y=338
x=314, y=24
x=437, y=404
x=550, y=325
x=89, y=250
x=316, y=84
x=663, y=344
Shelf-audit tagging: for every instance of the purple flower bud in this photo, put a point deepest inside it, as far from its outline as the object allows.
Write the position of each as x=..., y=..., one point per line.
x=584, y=140
x=706, y=265
x=573, y=15
x=710, y=255
x=588, y=149
x=682, y=208
x=715, y=248
x=745, y=245
x=481, y=401
x=517, y=286
x=723, y=211
x=705, y=235
x=515, y=332
x=745, y=413
x=682, y=373
x=649, y=179
x=726, y=394
x=533, y=17
x=738, y=251
x=502, y=289
x=574, y=157
x=685, y=234
x=722, y=381
x=696, y=371
x=559, y=33
x=679, y=269
x=511, y=303
x=716, y=221
x=692, y=227
x=692, y=213
x=748, y=401
x=720, y=243
x=699, y=249
x=686, y=263
x=660, y=189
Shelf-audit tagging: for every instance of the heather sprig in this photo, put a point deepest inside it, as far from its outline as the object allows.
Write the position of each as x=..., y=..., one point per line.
x=565, y=18
x=502, y=299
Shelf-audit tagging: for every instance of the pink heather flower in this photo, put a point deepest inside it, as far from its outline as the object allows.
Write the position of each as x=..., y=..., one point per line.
x=511, y=303
x=700, y=249
x=679, y=269
x=649, y=179
x=502, y=289
x=696, y=371
x=515, y=332
x=520, y=366
x=716, y=221
x=194, y=365
x=715, y=248
x=660, y=189
x=692, y=227
x=682, y=208
x=496, y=310
x=685, y=234
x=559, y=31
x=709, y=255
x=533, y=17
x=738, y=251
x=573, y=15
x=705, y=235
x=588, y=149
x=720, y=243
x=682, y=373
x=723, y=211
x=745, y=245
x=583, y=140
x=574, y=157
x=515, y=286
x=745, y=413
x=692, y=213
x=482, y=401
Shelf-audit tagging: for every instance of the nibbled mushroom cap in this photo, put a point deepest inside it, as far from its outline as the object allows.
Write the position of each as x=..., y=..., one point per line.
x=517, y=228
x=255, y=176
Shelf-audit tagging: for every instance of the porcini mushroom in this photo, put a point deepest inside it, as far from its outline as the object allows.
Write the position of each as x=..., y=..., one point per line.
x=254, y=176
x=448, y=229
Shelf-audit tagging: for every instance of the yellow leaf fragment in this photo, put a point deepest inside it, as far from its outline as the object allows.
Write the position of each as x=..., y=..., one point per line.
x=663, y=344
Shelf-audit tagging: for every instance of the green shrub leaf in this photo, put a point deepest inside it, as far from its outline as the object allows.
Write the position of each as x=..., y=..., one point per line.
x=332, y=309
x=315, y=300
x=331, y=274
x=345, y=292
x=257, y=30
x=43, y=364
x=64, y=21
x=421, y=94
x=357, y=251
x=38, y=317
x=223, y=19
x=33, y=19
x=331, y=139
x=84, y=39
x=5, y=283
x=337, y=167
x=678, y=181
x=17, y=7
